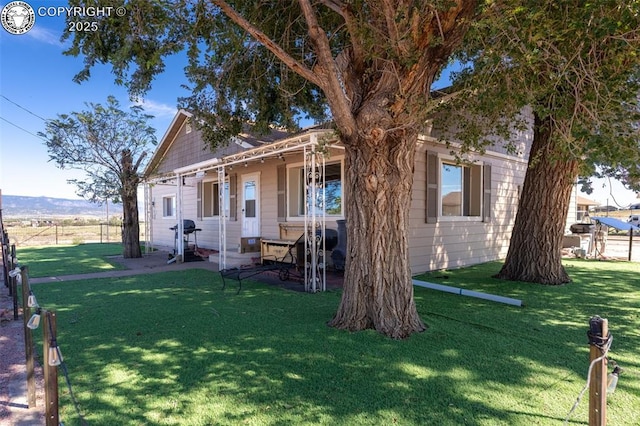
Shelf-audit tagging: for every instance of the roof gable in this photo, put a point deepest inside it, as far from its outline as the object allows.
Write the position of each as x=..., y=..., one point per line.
x=183, y=145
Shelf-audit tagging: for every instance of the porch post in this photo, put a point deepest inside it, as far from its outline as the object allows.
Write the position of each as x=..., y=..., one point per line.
x=309, y=222
x=222, y=220
x=180, y=224
x=323, y=216
x=314, y=218
x=148, y=217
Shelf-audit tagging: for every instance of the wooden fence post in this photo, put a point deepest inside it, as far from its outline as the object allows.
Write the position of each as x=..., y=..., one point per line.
x=5, y=254
x=14, y=283
x=50, y=371
x=598, y=341
x=28, y=339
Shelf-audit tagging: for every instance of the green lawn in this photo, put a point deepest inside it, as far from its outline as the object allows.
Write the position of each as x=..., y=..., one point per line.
x=173, y=349
x=53, y=261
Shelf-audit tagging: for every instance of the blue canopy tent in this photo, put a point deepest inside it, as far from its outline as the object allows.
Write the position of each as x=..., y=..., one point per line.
x=620, y=225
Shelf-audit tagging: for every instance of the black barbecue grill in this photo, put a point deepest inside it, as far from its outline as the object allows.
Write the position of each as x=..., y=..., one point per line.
x=582, y=228
x=188, y=228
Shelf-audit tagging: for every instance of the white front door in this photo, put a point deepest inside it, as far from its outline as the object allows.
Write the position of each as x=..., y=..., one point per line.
x=251, y=205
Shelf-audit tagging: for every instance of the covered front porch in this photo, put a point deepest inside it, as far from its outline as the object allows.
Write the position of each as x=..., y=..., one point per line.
x=260, y=199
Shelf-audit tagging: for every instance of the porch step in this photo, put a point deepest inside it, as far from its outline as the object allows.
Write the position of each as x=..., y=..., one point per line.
x=235, y=259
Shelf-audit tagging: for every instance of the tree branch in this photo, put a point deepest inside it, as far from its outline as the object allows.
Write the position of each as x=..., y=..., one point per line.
x=333, y=84
x=273, y=47
x=346, y=12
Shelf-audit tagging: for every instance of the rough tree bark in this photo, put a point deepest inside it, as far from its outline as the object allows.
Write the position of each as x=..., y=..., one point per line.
x=378, y=292
x=378, y=124
x=130, y=225
x=536, y=244
x=377, y=100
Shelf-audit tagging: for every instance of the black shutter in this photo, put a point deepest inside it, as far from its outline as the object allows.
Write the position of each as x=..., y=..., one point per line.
x=486, y=188
x=233, y=202
x=199, y=200
x=282, y=193
x=432, y=188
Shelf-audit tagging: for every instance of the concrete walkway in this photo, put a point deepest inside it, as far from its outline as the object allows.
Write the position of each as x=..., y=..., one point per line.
x=14, y=408
x=148, y=264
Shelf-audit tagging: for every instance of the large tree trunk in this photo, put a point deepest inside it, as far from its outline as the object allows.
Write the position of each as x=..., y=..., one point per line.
x=536, y=243
x=377, y=100
x=378, y=291
x=130, y=223
x=130, y=227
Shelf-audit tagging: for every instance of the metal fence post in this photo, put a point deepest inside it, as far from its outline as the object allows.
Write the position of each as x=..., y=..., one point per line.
x=5, y=264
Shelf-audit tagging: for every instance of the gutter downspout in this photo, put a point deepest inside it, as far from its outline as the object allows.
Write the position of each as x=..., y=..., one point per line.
x=470, y=293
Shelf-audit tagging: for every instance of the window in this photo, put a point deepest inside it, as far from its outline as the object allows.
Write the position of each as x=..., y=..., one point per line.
x=210, y=199
x=187, y=126
x=332, y=191
x=169, y=206
x=457, y=190
x=461, y=189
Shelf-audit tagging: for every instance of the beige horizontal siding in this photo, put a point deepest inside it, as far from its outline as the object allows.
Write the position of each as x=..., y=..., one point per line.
x=448, y=244
x=445, y=244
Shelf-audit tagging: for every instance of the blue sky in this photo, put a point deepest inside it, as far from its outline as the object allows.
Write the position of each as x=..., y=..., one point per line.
x=35, y=75
x=38, y=78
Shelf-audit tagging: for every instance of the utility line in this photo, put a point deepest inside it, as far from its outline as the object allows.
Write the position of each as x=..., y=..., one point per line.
x=21, y=107
x=22, y=128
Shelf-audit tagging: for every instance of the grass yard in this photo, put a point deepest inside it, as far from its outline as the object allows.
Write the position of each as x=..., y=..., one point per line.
x=173, y=349
x=53, y=261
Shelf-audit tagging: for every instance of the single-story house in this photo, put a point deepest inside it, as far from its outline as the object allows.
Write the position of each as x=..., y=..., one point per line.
x=258, y=194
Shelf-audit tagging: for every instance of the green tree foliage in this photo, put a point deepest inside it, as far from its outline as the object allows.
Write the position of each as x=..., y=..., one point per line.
x=574, y=62
x=110, y=145
x=574, y=68
x=233, y=77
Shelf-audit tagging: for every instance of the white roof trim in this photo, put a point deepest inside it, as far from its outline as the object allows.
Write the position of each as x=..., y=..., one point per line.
x=173, y=122
x=275, y=148
x=241, y=143
x=165, y=136
x=197, y=167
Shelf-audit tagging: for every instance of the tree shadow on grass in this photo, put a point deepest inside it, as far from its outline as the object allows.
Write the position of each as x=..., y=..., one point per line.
x=173, y=349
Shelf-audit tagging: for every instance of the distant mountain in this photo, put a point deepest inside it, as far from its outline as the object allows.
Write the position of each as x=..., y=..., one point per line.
x=46, y=207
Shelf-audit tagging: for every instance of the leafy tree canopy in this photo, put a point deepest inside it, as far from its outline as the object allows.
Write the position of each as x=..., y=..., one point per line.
x=235, y=78
x=95, y=141
x=574, y=63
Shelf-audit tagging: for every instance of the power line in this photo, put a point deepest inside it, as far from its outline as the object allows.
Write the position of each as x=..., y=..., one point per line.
x=23, y=108
x=22, y=128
